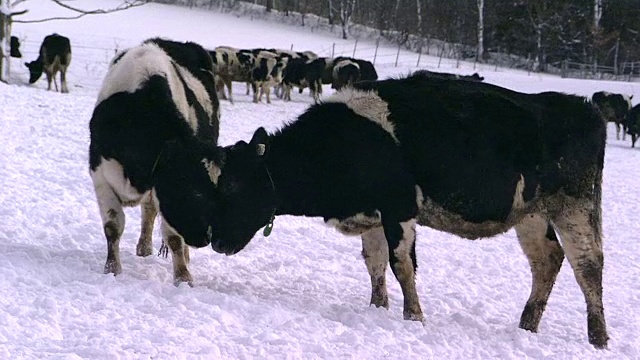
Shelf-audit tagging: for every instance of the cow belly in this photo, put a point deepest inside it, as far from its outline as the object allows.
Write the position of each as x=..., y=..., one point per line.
x=435, y=216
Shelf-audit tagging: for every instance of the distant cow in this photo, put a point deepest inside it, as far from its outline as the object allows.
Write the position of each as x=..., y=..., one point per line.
x=367, y=70
x=15, y=47
x=614, y=108
x=632, y=124
x=463, y=157
x=442, y=75
x=304, y=73
x=54, y=56
x=152, y=93
x=345, y=73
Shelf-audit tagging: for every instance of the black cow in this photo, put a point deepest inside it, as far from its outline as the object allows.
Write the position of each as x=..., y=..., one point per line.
x=15, y=47
x=54, y=56
x=632, y=124
x=442, y=75
x=468, y=158
x=152, y=93
x=614, y=108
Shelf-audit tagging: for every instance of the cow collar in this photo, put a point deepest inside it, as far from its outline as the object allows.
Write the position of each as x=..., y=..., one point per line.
x=267, y=229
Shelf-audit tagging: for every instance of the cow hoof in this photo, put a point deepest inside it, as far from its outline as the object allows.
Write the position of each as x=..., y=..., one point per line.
x=112, y=267
x=183, y=278
x=144, y=249
x=413, y=317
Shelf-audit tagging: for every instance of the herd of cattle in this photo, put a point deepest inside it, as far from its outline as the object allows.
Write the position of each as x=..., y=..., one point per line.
x=375, y=159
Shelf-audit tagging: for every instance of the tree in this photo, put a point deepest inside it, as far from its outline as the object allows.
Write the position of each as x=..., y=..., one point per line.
x=480, y=50
x=7, y=17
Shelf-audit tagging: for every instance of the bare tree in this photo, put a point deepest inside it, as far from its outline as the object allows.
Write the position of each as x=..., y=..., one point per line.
x=269, y=5
x=344, y=11
x=480, y=50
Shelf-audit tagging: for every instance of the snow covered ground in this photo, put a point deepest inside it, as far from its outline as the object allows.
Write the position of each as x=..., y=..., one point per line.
x=301, y=293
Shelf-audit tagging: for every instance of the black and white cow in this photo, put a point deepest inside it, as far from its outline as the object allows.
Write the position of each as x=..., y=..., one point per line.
x=463, y=157
x=442, y=75
x=614, y=108
x=266, y=73
x=632, y=124
x=303, y=73
x=155, y=92
x=345, y=73
x=15, y=47
x=54, y=56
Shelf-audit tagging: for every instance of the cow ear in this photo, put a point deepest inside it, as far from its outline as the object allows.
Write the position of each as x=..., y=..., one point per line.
x=260, y=141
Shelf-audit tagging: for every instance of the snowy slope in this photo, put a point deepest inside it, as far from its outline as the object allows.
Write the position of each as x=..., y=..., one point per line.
x=301, y=293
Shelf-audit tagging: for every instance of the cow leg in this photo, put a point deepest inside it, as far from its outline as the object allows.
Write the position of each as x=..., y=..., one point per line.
x=617, y=131
x=401, y=239
x=580, y=228
x=375, y=251
x=63, y=81
x=113, y=220
x=179, y=255
x=266, y=89
x=149, y=213
x=624, y=131
x=254, y=87
x=539, y=243
x=229, y=85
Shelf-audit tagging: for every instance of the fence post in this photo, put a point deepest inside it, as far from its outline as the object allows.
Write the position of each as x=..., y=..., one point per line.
x=333, y=50
x=375, y=54
x=354, y=49
x=291, y=47
x=397, y=56
x=564, y=68
x=419, y=53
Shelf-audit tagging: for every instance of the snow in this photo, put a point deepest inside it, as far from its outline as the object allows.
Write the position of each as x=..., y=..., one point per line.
x=301, y=293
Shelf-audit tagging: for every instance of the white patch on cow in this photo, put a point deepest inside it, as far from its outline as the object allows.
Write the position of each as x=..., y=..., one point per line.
x=408, y=238
x=627, y=98
x=198, y=89
x=111, y=172
x=518, y=197
x=137, y=66
x=357, y=224
x=367, y=104
x=419, y=197
x=212, y=169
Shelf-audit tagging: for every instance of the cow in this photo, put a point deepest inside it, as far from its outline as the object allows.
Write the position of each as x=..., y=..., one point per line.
x=345, y=73
x=443, y=75
x=632, y=124
x=54, y=57
x=266, y=73
x=15, y=47
x=367, y=70
x=614, y=108
x=152, y=93
x=468, y=158
x=303, y=73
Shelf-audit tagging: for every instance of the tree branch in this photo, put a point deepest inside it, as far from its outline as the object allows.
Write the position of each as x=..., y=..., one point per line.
x=127, y=4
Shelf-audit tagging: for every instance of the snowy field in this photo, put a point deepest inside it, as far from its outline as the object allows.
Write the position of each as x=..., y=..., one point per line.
x=301, y=293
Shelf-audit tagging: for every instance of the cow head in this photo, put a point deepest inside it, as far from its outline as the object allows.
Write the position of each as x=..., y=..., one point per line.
x=216, y=195
x=36, y=68
x=245, y=195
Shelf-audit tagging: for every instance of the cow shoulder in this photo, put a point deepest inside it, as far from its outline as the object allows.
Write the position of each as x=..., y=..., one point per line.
x=367, y=104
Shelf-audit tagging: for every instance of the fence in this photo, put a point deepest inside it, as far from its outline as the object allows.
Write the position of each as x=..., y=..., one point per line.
x=627, y=71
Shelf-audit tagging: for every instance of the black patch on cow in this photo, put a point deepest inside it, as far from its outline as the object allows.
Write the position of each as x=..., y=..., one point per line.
x=551, y=234
x=469, y=143
x=118, y=57
x=133, y=127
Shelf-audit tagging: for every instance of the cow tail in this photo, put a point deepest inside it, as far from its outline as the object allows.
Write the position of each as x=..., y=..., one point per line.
x=596, y=215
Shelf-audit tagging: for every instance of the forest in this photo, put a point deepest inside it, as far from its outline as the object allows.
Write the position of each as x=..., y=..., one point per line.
x=601, y=34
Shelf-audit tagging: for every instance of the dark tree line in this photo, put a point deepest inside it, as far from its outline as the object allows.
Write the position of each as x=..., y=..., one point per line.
x=597, y=32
